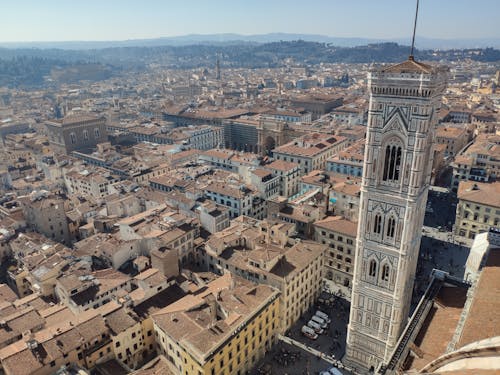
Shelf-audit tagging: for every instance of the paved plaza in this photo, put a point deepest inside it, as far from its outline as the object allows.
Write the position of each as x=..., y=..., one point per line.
x=330, y=343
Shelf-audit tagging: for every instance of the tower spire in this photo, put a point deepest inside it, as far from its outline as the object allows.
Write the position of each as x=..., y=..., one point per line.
x=413, y=37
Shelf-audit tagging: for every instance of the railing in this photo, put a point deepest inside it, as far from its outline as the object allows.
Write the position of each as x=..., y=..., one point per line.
x=413, y=326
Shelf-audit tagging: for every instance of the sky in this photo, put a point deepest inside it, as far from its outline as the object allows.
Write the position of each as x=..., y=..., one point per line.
x=89, y=20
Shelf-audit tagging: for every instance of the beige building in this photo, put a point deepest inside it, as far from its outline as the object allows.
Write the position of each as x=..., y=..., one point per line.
x=344, y=197
x=81, y=292
x=339, y=235
x=84, y=341
x=265, y=253
x=455, y=138
x=288, y=174
x=311, y=151
x=479, y=162
x=226, y=328
x=478, y=208
x=46, y=215
x=95, y=184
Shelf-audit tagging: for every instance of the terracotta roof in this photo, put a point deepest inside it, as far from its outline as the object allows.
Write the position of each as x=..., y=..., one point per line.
x=408, y=66
x=481, y=193
x=281, y=165
x=439, y=326
x=338, y=224
x=483, y=319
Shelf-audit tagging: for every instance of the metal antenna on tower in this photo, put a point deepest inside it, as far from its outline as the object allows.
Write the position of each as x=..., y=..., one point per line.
x=414, y=30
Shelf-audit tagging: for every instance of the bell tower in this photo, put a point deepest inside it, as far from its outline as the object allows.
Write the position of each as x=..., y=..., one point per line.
x=404, y=99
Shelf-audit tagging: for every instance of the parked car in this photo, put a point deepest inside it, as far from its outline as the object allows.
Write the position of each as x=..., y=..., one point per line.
x=334, y=371
x=323, y=316
x=317, y=328
x=309, y=332
x=319, y=321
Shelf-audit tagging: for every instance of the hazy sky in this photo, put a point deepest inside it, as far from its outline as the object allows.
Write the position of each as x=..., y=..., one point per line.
x=53, y=20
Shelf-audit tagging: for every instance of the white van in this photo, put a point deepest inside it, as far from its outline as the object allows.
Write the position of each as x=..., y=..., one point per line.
x=334, y=371
x=323, y=316
x=317, y=328
x=319, y=321
x=309, y=332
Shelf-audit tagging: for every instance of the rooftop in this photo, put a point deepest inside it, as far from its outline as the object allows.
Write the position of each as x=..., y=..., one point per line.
x=481, y=193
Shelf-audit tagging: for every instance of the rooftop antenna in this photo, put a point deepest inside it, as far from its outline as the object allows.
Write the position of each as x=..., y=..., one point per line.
x=413, y=37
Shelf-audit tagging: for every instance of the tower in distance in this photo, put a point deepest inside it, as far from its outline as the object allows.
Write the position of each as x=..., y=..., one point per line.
x=404, y=99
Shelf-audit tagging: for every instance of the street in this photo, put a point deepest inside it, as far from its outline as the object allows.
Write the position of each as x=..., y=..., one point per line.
x=331, y=343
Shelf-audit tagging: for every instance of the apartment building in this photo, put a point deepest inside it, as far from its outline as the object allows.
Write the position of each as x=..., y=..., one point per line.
x=46, y=214
x=288, y=174
x=264, y=253
x=344, y=197
x=240, y=199
x=85, y=183
x=201, y=137
x=84, y=291
x=84, y=342
x=348, y=161
x=311, y=152
x=478, y=208
x=454, y=138
x=339, y=235
x=230, y=160
x=224, y=328
x=479, y=162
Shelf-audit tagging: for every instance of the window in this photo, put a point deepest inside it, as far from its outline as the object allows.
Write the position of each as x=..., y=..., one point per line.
x=391, y=225
x=97, y=134
x=72, y=136
x=373, y=268
x=392, y=164
x=385, y=272
x=377, y=226
x=86, y=135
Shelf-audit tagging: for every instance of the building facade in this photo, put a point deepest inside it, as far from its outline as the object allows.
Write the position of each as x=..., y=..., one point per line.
x=81, y=133
x=340, y=236
x=478, y=208
x=397, y=170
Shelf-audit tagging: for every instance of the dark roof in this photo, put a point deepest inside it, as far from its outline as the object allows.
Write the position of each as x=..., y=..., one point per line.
x=159, y=301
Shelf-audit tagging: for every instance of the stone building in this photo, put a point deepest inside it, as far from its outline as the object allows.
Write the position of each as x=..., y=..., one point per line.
x=404, y=99
x=264, y=253
x=76, y=133
x=225, y=328
x=46, y=215
x=340, y=236
x=311, y=151
x=478, y=208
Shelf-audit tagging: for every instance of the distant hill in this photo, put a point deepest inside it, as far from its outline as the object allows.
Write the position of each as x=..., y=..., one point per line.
x=221, y=39
x=29, y=67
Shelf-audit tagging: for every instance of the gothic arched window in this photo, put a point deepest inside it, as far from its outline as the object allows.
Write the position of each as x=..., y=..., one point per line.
x=385, y=272
x=373, y=268
x=377, y=224
x=391, y=226
x=392, y=163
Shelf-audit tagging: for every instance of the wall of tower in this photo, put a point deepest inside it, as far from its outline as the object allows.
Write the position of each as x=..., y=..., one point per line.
x=396, y=177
